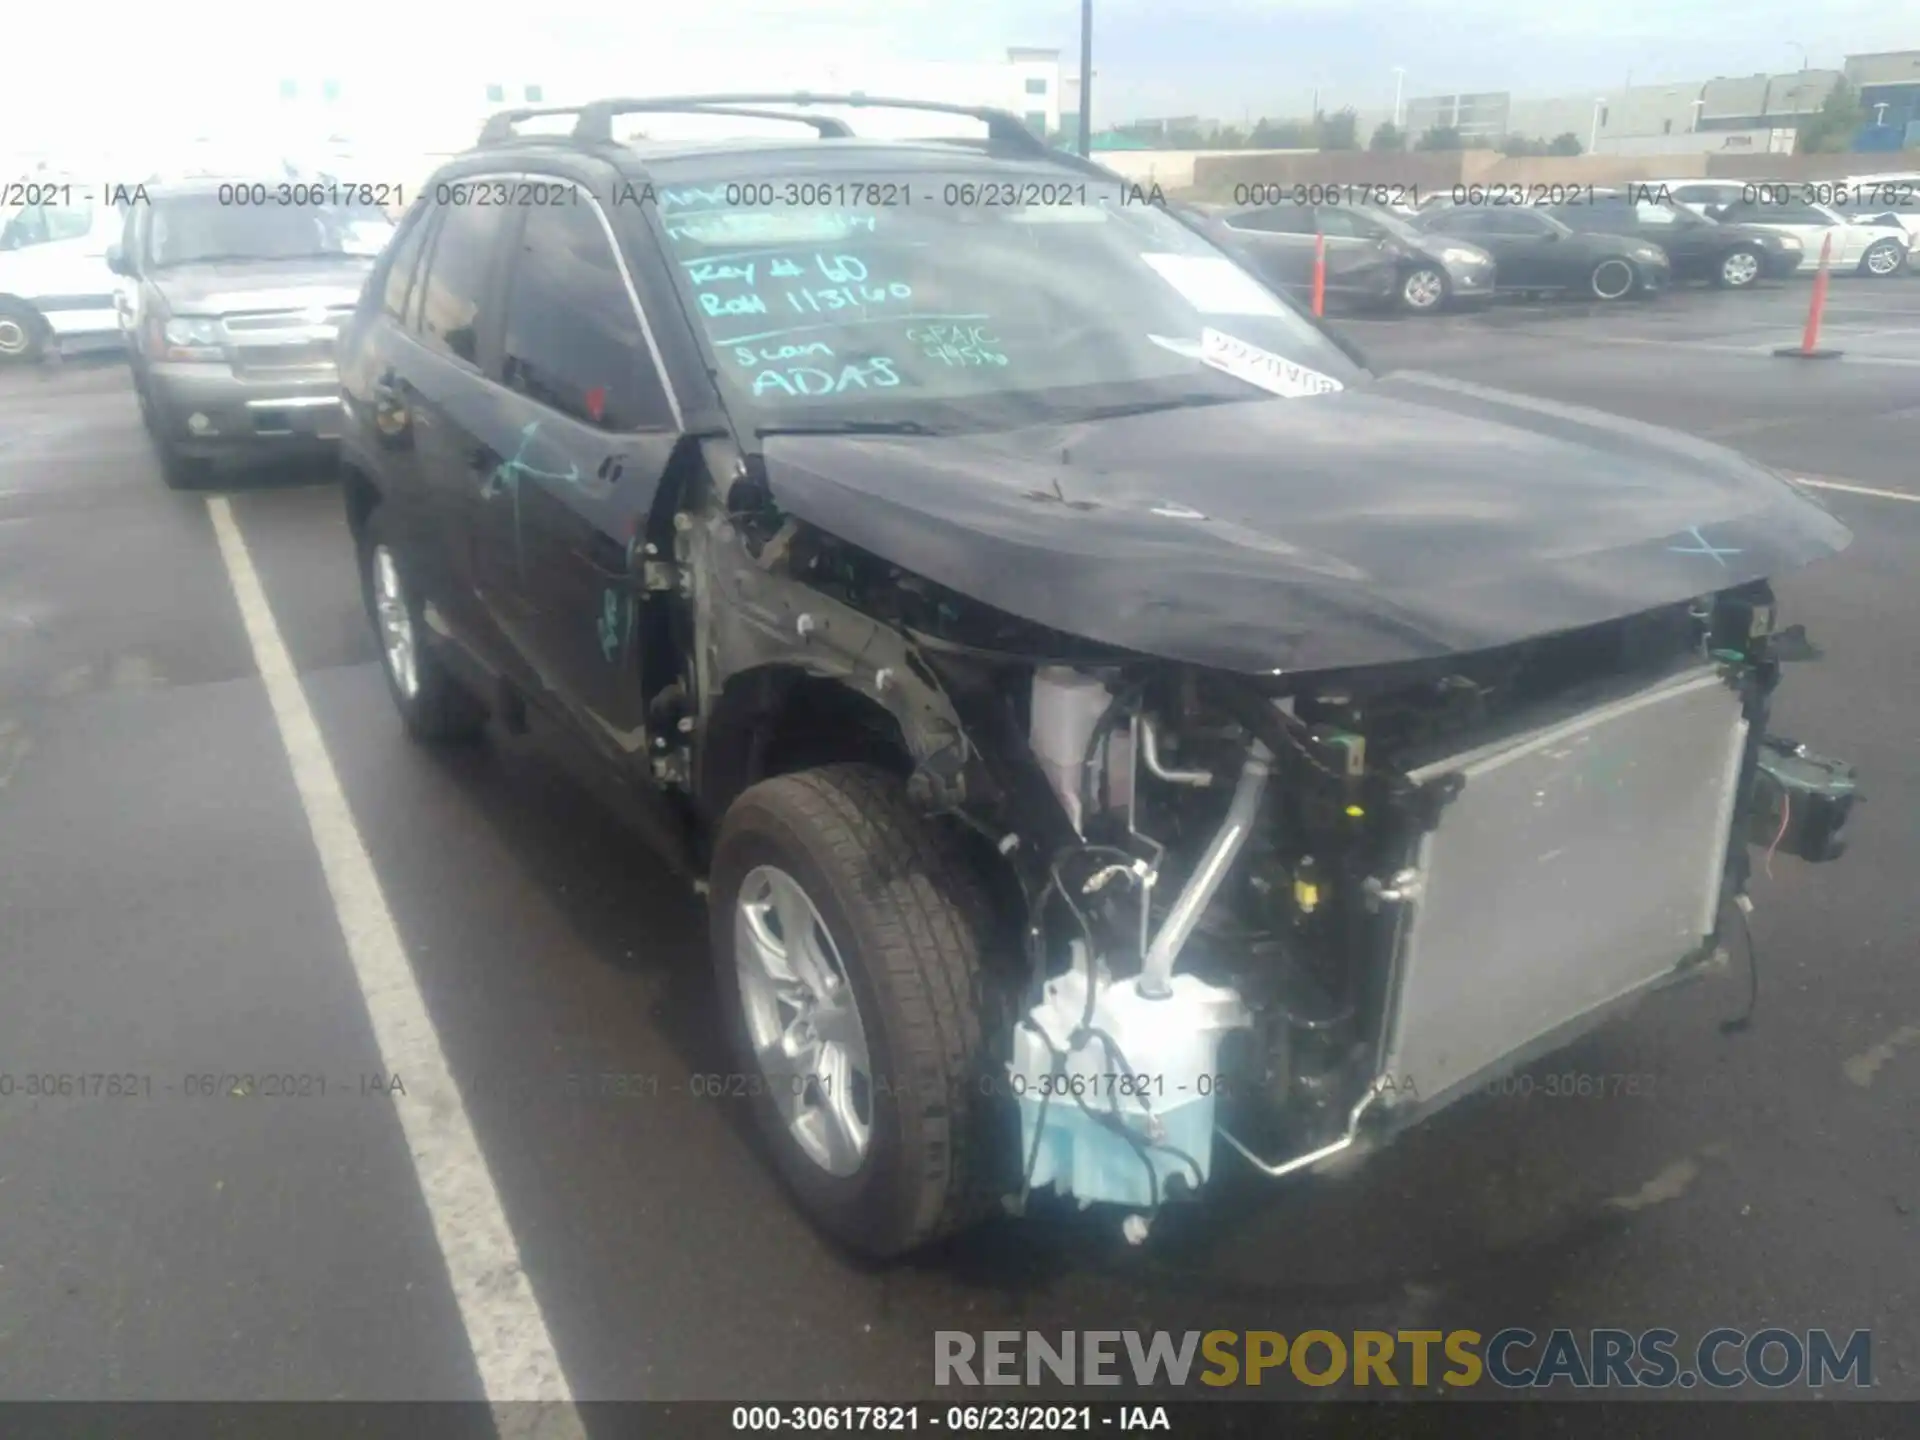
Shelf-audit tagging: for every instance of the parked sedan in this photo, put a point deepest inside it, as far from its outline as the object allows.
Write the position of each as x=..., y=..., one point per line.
x=1884, y=199
x=1535, y=252
x=1733, y=257
x=1372, y=256
x=1876, y=247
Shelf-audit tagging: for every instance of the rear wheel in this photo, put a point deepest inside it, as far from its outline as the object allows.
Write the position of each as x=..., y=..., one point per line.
x=1883, y=258
x=23, y=333
x=1611, y=279
x=432, y=703
x=1423, y=290
x=1739, y=270
x=847, y=950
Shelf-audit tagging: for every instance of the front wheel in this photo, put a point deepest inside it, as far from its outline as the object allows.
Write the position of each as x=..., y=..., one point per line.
x=1739, y=270
x=181, y=472
x=431, y=701
x=847, y=948
x=1883, y=258
x=1611, y=280
x=1423, y=290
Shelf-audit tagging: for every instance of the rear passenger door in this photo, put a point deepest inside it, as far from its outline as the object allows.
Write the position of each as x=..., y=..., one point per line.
x=441, y=381
x=1277, y=241
x=586, y=429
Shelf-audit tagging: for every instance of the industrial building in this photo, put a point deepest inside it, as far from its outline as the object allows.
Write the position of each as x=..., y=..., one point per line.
x=1755, y=113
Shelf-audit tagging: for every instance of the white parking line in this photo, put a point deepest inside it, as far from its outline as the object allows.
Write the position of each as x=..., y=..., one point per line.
x=1847, y=487
x=508, y=1334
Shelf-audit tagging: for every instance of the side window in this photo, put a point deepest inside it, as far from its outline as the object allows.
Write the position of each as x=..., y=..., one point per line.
x=69, y=222
x=1460, y=220
x=573, y=340
x=1274, y=220
x=27, y=226
x=1511, y=222
x=456, y=279
x=1340, y=224
x=1650, y=213
x=402, y=262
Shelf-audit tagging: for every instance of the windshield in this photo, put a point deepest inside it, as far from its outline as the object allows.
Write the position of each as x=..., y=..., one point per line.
x=192, y=229
x=945, y=310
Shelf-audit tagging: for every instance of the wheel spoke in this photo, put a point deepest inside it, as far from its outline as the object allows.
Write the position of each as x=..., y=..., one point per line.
x=843, y=1091
x=799, y=936
x=786, y=1077
x=770, y=954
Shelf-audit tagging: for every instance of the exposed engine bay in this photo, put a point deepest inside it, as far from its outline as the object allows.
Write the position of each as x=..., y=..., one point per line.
x=1299, y=912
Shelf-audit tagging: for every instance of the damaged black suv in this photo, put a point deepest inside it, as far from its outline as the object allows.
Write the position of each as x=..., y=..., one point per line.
x=1106, y=720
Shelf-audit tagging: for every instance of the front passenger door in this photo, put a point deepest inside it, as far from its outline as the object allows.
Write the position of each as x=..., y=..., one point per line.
x=1355, y=254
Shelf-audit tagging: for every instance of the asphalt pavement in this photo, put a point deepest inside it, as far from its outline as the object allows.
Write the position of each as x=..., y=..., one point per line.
x=173, y=907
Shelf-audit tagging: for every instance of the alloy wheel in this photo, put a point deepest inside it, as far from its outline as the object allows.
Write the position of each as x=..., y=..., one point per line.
x=1740, y=269
x=1612, y=279
x=1884, y=258
x=14, y=339
x=803, y=1021
x=1423, y=290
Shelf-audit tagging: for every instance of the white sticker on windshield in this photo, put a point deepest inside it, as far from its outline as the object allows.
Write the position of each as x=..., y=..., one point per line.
x=1189, y=349
x=1262, y=367
x=1214, y=285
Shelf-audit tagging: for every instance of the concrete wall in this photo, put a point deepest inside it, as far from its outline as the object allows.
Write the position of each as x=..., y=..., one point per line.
x=1174, y=169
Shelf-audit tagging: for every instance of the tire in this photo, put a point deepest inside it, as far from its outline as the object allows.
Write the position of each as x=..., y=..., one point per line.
x=1739, y=269
x=1612, y=279
x=23, y=333
x=179, y=471
x=900, y=913
x=434, y=706
x=1423, y=290
x=1884, y=258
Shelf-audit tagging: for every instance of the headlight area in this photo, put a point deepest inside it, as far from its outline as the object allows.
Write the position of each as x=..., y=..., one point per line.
x=191, y=337
x=1269, y=915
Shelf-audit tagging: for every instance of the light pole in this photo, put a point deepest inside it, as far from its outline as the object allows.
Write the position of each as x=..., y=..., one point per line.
x=1399, y=79
x=1796, y=45
x=1086, y=78
x=1593, y=135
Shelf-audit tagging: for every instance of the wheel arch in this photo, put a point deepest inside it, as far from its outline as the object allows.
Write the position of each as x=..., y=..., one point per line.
x=781, y=717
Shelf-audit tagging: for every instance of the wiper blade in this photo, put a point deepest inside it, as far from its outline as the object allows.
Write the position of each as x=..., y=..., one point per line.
x=847, y=427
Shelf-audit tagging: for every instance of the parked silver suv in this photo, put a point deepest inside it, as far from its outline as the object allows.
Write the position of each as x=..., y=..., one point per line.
x=233, y=292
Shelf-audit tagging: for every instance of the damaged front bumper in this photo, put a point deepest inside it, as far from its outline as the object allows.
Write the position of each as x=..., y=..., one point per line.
x=1540, y=883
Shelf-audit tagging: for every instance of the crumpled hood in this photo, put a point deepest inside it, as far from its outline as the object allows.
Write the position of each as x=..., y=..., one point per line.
x=222, y=289
x=1409, y=517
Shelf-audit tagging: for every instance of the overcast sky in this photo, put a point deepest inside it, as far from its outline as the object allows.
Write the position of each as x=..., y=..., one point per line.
x=1220, y=58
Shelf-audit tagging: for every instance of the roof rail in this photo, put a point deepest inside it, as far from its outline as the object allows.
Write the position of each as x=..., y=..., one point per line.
x=595, y=125
x=499, y=128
